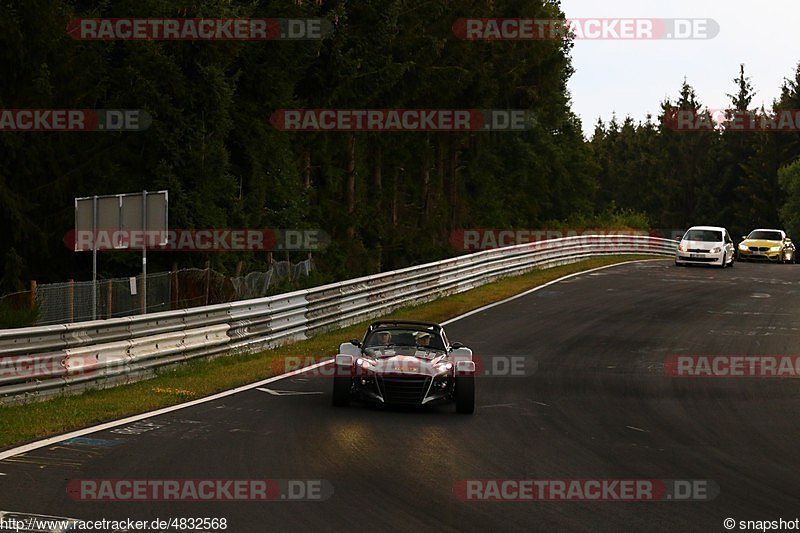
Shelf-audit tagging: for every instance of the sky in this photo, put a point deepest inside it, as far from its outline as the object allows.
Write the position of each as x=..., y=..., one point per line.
x=633, y=77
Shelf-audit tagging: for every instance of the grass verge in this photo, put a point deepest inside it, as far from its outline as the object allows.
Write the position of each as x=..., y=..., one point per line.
x=196, y=379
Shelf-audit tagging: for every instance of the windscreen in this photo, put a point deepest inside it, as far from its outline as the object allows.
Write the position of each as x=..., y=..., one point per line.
x=703, y=235
x=403, y=337
x=765, y=235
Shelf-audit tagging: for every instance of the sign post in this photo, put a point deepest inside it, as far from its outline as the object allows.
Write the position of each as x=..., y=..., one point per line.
x=94, y=259
x=144, y=253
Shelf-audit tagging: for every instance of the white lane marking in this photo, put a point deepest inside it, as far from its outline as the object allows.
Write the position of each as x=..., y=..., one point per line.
x=747, y=313
x=540, y=287
x=541, y=403
x=276, y=392
x=116, y=423
x=637, y=429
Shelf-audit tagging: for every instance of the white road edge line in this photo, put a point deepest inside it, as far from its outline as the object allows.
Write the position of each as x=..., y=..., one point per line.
x=288, y=392
x=116, y=423
x=158, y=412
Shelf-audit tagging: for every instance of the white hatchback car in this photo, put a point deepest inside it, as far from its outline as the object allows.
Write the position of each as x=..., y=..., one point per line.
x=709, y=245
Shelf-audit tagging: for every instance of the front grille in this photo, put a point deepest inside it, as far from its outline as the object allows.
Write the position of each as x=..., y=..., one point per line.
x=404, y=390
x=758, y=249
x=699, y=251
x=699, y=259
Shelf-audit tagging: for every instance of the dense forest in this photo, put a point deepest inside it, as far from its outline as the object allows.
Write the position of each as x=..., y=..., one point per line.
x=386, y=199
x=725, y=175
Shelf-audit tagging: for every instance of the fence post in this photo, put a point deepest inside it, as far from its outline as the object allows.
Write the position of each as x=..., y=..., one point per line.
x=109, y=299
x=208, y=279
x=33, y=294
x=71, y=296
x=175, y=294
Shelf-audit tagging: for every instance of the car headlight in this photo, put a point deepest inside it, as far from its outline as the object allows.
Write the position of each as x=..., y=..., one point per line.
x=363, y=363
x=716, y=250
x=775, y=249
x=743, y=246
x=445, y=368
x=682, y=247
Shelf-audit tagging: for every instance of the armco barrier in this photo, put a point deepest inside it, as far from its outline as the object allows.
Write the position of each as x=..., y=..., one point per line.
x=41, y=361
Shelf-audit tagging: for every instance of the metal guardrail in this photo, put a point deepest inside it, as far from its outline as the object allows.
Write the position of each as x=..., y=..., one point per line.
x=42, y=361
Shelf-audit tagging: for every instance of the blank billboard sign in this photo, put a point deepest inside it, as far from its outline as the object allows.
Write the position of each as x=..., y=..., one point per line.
x=119, y=218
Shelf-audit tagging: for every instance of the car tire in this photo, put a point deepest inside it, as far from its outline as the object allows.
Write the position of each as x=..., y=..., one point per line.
x=341, y=391
x=465, y=395
x=724, y=263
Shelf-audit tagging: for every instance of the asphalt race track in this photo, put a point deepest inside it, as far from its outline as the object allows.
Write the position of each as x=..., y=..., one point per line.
x=596, y=405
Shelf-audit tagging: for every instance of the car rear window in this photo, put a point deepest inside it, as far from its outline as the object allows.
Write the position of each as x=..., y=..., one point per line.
x=705, y=235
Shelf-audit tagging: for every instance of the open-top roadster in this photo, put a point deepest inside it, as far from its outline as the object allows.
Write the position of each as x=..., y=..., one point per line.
x=403, y=362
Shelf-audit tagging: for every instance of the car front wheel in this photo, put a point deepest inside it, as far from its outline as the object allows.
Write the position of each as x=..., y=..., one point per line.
x=465, y=394
x=341, y=391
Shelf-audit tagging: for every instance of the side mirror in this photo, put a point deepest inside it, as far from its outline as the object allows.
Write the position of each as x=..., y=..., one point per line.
x=355, y=342
x=679, y=239
x=456, y=345
x=744, y=237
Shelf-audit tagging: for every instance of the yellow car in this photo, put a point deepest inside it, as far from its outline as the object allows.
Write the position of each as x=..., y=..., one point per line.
x=770, y=245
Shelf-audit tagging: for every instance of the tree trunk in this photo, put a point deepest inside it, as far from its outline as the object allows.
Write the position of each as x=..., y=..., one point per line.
x=351, y=185
x=426, y=190
x=453, y=192
x=438, y=190
x=395, y=182
x=307, y=167
x=377, y=177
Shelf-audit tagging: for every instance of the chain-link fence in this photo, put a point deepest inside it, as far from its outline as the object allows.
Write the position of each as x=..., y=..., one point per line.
x=59, y=303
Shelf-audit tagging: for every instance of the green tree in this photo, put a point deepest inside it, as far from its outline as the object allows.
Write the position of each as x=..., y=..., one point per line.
x=789, y=179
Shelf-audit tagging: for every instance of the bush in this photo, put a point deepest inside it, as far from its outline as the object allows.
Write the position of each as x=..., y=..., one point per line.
x=17, y=314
